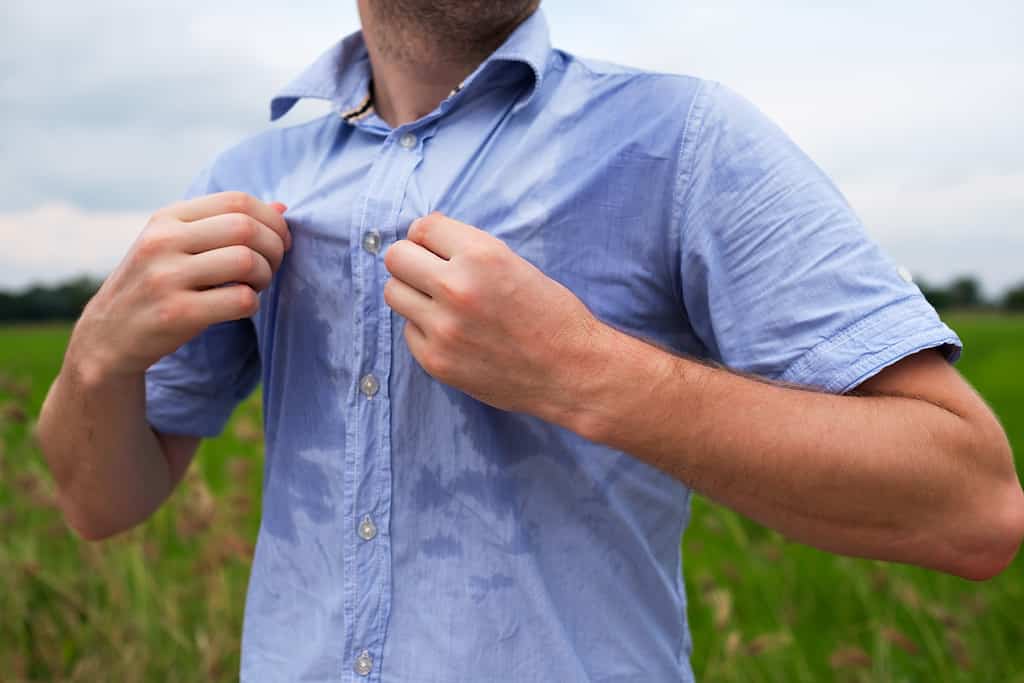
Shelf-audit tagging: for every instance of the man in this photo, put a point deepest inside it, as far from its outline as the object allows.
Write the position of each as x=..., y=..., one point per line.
x=519, y=306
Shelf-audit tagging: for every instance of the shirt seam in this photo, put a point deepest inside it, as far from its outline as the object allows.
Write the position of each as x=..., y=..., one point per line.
x=872, y=363
x=693, y=130
x=688, y=147
x=210, y=422
x=800, y=369
x=157, y=385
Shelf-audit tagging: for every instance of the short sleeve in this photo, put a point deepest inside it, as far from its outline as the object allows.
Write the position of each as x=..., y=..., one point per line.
x=778, y=275
x=195, y=389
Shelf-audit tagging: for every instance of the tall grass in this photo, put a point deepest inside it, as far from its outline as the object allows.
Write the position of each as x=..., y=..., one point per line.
x=164, y=601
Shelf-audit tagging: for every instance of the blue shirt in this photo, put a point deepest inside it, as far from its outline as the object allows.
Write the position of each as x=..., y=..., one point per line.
x=412, y=534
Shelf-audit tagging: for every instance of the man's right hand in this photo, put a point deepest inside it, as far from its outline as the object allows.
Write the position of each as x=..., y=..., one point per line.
x=168, y=288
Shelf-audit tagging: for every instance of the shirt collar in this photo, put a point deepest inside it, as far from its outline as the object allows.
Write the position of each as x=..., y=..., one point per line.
x=341, y=75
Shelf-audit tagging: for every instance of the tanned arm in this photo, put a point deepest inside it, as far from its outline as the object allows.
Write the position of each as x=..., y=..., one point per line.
x=912, y=467
x=197, y=262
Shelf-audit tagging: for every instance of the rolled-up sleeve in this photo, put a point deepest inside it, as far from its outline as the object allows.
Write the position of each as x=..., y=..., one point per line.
x=195, y=389
x=778, y=275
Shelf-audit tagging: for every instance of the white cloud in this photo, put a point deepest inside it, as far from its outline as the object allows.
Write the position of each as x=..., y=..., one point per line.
x=912, y=107
x=972, y=227
x=55, y=241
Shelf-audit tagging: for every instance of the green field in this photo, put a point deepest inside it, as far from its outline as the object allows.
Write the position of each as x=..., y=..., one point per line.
x=164, y=602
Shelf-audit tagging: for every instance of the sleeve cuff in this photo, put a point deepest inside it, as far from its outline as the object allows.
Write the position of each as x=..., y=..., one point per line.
x=862, y=350
x=173, y=411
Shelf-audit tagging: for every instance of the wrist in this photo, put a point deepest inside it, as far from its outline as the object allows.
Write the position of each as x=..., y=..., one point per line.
x=91, y=365
x=584, y=379
x=617, y=381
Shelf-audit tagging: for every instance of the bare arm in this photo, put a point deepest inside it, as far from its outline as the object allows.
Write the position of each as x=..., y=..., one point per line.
x=112, y=469
x=911, y=467
x=915, y=468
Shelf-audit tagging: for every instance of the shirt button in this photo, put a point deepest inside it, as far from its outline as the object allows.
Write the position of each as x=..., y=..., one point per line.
x=369, y=385
x=364, y=663
x=408, y=141
x=371, y=241
x=367, y=529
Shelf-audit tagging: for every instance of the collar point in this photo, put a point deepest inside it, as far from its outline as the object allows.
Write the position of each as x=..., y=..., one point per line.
x=281, y=105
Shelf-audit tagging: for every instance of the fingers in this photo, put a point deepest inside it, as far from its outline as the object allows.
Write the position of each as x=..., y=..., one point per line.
x=233, y=229
x=442, y=235
x=415, y=339
x=414, y=265
x=220, y=304
x=228, y=264
x=408, y=302
x=231, y=202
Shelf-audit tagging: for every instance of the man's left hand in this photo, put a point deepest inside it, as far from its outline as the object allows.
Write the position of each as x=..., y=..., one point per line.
x=484, y=320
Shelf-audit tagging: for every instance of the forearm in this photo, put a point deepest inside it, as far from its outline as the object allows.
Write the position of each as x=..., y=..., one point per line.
x=878, y=476
x=107, y=462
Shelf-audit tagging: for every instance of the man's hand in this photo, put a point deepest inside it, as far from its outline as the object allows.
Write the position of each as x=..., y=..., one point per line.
x=167, y=288
x=919, y=471
x=484, y=320
x=92, y=428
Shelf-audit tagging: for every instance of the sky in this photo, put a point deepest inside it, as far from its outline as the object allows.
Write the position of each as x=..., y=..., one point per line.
x=109, y=107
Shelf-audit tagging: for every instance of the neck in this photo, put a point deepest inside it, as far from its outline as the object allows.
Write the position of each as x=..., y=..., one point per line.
x=403, y=93
x=415, y=66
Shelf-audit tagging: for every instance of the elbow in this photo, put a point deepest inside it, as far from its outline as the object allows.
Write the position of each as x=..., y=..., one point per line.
x=91, y=531
x=1003, y=543
x=86, y=526
x=996, y=532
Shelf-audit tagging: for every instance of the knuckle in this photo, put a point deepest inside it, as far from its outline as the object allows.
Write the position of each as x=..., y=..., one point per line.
x=448, y=331
x=173, y=312
x=236, y=202
x=458, y=292
x=156, y=281
x=243, y=228
x=248, y=300
x=162, y=214
x=276, y=254
x=394, y=252
x=154, y=240
x=436, y=363
x=243, y=259
x=423, y=227
x=264, y=272
x=487, y=252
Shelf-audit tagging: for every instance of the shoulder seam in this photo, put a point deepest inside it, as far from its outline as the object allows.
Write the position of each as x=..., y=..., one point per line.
x=692, y=130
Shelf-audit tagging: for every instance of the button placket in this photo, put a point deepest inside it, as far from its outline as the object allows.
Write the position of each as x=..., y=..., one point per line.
x=375, y=225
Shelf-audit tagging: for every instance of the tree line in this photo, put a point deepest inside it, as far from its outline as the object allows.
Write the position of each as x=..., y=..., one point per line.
x=65, y=300
x=965, y=292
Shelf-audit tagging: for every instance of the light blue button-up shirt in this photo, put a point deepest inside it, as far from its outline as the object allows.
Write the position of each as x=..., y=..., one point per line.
x=412, y=534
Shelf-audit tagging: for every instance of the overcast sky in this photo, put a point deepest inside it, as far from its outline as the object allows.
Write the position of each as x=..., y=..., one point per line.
x=109, y=107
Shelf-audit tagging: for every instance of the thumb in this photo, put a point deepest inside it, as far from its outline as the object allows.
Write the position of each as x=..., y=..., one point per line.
x=278, y=206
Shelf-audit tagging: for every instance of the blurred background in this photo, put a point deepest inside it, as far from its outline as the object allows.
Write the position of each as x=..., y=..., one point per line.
x=110, y=107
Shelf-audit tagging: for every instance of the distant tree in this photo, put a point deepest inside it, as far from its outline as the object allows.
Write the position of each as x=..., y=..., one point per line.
x=63, y=301
x=938, y=297
x=75, y=293
x=965, y=292
x=1014, y=299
